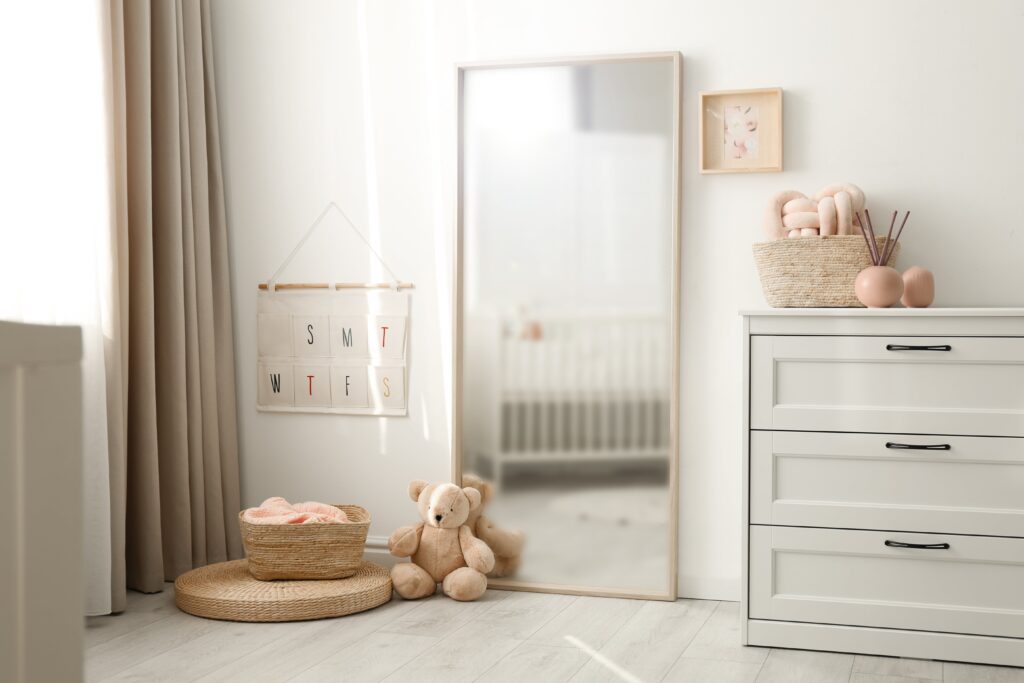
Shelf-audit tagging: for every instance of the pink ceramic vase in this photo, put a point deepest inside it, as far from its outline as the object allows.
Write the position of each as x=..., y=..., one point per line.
x=918, y=287
x=878, y=286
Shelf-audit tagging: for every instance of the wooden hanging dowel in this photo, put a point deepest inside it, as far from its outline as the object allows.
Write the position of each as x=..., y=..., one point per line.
x=337, y=285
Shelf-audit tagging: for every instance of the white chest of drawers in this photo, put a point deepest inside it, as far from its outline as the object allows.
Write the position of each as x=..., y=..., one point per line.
x=883, y=482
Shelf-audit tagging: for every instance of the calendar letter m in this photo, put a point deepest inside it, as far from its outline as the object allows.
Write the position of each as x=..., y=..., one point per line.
x=346, y=336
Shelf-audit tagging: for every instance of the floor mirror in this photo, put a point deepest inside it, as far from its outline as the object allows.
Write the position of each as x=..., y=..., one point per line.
x=566, y=319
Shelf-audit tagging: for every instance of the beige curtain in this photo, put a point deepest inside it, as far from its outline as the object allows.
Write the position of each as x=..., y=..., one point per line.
x=174, y=449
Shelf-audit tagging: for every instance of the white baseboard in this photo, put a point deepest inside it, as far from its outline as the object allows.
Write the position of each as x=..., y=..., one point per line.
x=709, y=588
x=691, y=587
x=376, y=544
x=376, y=550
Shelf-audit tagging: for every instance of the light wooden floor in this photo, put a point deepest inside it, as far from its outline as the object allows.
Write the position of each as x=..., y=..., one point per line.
x=506, y=636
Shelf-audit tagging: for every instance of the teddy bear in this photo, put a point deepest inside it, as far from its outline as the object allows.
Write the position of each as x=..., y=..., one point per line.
x=442, y=547
x=507, y=546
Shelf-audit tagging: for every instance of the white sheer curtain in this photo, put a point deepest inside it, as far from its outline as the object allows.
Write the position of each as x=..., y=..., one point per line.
x=56, y=208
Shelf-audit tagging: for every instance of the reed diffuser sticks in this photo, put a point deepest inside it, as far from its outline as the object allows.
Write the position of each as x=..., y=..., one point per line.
x=889, y=247
x=880, y=257
x=869, y=236
x=888, y=237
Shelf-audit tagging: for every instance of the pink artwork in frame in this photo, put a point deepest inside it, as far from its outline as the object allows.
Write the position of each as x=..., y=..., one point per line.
x=741, y=131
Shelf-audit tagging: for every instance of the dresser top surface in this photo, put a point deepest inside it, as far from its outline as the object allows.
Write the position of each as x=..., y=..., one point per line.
x=886, y=312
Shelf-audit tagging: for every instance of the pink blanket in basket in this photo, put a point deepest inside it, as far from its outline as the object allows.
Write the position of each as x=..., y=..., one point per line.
x=280, y=511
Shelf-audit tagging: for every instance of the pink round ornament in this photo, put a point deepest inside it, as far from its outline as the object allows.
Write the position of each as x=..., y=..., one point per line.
x=918, y=287
x=878, y=286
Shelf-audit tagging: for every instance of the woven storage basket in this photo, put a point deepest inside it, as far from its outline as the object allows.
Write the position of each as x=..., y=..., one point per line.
x=306, y=551
x=814, y=272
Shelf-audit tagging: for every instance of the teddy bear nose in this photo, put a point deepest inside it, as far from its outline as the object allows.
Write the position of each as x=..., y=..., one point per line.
x=437, y=517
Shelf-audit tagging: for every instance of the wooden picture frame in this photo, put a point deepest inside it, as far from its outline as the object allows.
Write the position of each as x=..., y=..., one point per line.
x=741, y=131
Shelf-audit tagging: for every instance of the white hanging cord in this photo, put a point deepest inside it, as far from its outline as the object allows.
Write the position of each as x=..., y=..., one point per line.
x=394, y=278
x=272, y=282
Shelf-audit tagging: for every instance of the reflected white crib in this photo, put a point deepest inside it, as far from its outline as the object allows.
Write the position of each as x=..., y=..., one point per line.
x=569, y=389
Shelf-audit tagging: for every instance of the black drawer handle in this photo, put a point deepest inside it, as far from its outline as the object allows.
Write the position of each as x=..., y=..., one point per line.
x=906, y=347
x=918, y=546
x=918, y=447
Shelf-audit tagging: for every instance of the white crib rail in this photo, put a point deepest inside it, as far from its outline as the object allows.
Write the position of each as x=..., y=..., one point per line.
x=582, y=388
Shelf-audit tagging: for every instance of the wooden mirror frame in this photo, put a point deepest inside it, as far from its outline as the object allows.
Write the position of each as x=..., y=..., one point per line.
x=674, y=317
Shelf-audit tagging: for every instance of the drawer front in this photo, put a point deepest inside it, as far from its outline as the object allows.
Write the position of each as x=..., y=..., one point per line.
x=838, y=576
x=888, y=481
x=871, y=384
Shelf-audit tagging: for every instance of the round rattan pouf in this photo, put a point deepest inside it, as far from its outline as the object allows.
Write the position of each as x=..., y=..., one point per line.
x=227, y=590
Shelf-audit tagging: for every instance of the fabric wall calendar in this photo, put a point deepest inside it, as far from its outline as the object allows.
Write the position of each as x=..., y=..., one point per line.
x=326, y=351
x=332, y=347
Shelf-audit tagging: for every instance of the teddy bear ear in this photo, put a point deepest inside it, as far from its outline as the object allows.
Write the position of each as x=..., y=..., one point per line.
x=486, y=491
x=474, y=497
x=416, y=488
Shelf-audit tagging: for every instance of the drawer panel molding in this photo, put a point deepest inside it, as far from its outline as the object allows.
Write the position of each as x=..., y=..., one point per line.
x=940, y=484
x=888, y=384
x=931, y=582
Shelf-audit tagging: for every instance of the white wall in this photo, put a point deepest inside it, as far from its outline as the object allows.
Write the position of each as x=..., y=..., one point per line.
x=919, y=102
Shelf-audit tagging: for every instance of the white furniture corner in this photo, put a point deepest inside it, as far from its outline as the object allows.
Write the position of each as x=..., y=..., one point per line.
x=40, y=503
x=883, y=475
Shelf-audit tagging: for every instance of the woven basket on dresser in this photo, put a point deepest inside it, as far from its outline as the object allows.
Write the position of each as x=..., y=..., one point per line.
x=306, y=551
x=814, y=272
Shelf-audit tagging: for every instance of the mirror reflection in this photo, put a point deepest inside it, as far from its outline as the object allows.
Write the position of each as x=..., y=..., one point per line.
x=566, y=310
